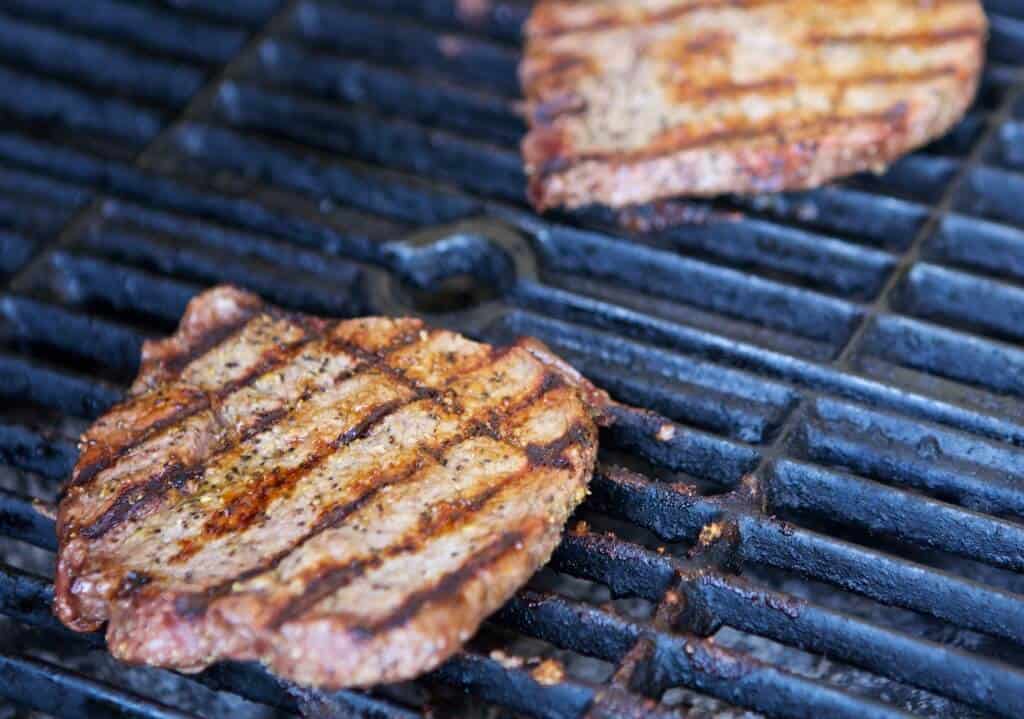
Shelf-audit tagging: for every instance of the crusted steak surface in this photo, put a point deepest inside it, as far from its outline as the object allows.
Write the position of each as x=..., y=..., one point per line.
x=634, y=100
x=344, y=501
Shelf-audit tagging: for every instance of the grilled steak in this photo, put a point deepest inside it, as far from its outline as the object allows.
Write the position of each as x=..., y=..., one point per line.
x=344, y=501
x=635, y=100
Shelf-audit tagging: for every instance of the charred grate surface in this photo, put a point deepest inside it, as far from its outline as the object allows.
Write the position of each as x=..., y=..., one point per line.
x=836, y=375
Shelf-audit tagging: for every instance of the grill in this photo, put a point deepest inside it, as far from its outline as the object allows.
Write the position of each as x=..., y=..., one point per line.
x=820, y=515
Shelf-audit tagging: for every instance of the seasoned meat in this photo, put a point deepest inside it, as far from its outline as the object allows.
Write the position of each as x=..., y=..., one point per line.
x=344, y=501
x=635, y=100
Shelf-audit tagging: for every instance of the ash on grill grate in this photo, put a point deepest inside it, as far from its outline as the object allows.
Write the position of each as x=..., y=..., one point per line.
x=824, y=518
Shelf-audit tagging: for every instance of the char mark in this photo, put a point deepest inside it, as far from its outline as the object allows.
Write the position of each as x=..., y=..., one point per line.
x=196, y=603
x=84, y=474
x=137, y=499
x=372, y=420
x=247, y=506
x=688, y=92
x=273, y=358
x=922, y=38
x=552, y=454
x=210, y=339
x=616, y=21
x=124, y=507
x=446, y=517
x=769, y=128
x=448, y=586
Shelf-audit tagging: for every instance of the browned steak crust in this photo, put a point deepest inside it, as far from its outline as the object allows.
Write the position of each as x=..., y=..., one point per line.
x=344, y=501
x=635, y=100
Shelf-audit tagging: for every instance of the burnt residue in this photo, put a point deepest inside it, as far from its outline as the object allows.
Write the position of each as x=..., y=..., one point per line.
x=712, y=583
x=713, y=661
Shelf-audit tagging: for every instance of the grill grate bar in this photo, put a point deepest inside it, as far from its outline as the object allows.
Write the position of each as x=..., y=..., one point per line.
x=472, y=60
x=812, y=259
x=978, y=244
x=96, y=64
x=880, y=221
x=42, y=188
x=30, y=450
x=430, y=100
x=932, y=666
x=112, y=345
x=814, y=376
x=960, y=483
x=933, y=292
x=55, y=690
x=939, y=211
x=801, y=312
x=339, y=295
x=146, y=27
x=19, y=519
x=918, y=445
x=31, y=217
x=367, y=189
x=38, y=383
x=26, y=598
x=251, y=13
x=680, y=659
x=502, y=19
x=486, y=169
x=716, y=598
x=240, y=197
x=991, y=365
x=907, y=516
x=160, y=192
x=515, y=689
x=36, y=100
x=883, y=577
x=673, y=511
x=126, y=224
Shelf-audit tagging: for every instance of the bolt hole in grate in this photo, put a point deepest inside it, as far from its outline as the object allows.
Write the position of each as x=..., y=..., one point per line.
x=819, y=512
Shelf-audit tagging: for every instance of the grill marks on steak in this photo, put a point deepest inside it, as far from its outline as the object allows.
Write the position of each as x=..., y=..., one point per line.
x=634, y=101
x=344, y=501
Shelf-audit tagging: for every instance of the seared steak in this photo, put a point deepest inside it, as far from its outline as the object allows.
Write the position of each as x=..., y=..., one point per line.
x=635, y=100
x=344, y=501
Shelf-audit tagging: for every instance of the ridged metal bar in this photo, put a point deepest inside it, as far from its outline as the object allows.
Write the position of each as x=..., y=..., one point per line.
x=52, y=689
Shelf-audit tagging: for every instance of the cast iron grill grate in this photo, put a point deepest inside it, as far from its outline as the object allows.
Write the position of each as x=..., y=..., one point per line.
x=836, y=374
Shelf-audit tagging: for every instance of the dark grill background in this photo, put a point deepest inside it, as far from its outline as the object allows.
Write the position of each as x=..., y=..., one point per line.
x=842, y=369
